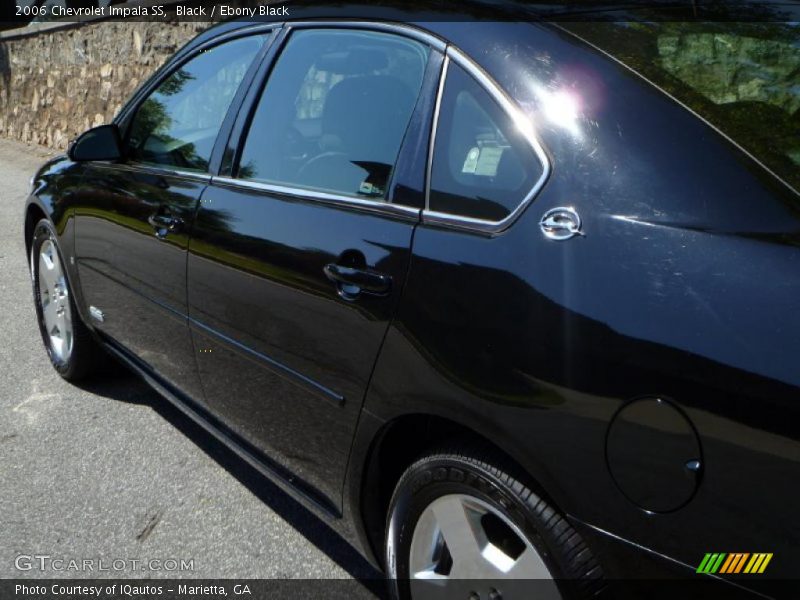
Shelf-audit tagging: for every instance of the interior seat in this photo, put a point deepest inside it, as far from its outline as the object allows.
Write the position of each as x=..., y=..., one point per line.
x=363, y=123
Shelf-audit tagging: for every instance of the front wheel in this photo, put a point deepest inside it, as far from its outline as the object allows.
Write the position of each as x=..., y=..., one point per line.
x=70, y=346
x=463, y=527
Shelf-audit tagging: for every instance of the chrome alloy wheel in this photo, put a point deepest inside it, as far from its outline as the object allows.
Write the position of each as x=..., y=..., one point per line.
x=54, y=302
x=460, y=537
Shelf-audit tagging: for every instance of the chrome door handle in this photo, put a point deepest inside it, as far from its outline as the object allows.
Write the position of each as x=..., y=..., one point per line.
x=561, y=223
x=350, y=282
x=164, y=224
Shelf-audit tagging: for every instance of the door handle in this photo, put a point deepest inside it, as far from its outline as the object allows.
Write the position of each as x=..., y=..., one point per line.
x=561, y=223
x=351, y=282
x=164, y=224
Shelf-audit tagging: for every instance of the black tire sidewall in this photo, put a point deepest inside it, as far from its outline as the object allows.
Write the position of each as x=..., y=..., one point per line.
x=428, y=480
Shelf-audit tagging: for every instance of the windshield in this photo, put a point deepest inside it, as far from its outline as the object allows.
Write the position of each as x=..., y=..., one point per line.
x=742, y=77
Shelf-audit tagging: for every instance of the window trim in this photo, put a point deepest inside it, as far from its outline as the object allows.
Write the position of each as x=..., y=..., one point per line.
x=180, y=58
x=401, y=29
x=383, y=206
x=154, y=169
x=517, y=116
x=124, y=118
x=329, y=198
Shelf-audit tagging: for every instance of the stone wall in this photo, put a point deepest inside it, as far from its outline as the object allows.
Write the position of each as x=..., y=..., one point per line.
x=728, y=68
x=56, y=84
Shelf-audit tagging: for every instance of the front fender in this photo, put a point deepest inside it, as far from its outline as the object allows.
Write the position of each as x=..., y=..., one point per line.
x=52, y=187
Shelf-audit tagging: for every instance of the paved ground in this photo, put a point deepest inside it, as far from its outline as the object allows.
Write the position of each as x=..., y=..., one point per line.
x=110, y=471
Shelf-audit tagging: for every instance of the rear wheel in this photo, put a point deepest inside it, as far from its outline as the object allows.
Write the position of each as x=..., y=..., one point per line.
x=70, y=346
x=465, y=527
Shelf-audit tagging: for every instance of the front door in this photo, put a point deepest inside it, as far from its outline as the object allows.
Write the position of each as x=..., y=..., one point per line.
x=296, y=262
x=134, y=217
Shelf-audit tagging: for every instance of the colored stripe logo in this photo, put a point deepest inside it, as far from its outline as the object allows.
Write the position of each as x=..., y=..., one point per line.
x=735, y=562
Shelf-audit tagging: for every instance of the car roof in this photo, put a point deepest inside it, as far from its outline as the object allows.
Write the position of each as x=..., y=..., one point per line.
x=431, y=11
x=416, y=11
x=440, y=18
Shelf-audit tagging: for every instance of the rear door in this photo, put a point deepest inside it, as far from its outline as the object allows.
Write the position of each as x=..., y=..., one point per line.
x=133, y=217
x=299, y=254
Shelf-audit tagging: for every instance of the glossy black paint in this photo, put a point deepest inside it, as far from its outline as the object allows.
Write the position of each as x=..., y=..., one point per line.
x=287, y=366
x=685, y=287
x=99, y=143
x=680, y=289
x=132, y=232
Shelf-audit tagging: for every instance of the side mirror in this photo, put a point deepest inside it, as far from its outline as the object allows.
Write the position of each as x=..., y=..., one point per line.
x=100, y=143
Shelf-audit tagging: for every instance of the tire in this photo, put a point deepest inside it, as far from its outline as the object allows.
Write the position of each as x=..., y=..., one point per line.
x=499, y=509
x=79, y=354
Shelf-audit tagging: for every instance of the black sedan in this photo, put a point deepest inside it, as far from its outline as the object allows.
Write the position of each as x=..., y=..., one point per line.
x=499, y=299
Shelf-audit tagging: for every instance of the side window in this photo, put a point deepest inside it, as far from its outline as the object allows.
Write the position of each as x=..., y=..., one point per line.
x=334, y=112
x=178, y=123
x=483, y=167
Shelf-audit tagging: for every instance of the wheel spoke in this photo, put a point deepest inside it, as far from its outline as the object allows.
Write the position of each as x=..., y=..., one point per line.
x=54, y=300
x=460, y=527
x=462, y=543
x=60, y=322
x=67, y=316
x=44, y=290
x=53, y=255
x=49, y=313
x=46, y=271
x=427, y=543
x=431, y=575
x=57, y=345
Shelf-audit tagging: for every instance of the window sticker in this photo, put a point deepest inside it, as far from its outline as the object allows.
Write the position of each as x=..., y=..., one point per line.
x=483, y=161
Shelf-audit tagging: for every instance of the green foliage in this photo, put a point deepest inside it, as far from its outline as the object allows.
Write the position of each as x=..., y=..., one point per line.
x=175, y=83
x=743, y=77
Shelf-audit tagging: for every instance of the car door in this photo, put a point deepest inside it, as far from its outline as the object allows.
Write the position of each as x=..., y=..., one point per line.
x=299, y=254
x=133, y=217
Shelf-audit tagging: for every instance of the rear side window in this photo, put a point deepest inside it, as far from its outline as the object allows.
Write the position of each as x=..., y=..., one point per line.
x=334, y=112
x=483, y=167
x=178, y=123
x=744, y=77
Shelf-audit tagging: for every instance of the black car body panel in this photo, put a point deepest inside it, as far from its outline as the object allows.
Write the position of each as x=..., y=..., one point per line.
x=127, y=270
x=684, y=288
x=291, y=334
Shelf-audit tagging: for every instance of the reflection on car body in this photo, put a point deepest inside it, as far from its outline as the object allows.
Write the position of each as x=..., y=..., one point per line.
x=508, y=314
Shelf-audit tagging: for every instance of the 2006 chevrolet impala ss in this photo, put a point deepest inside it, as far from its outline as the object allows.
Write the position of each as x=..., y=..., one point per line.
x=501, y=300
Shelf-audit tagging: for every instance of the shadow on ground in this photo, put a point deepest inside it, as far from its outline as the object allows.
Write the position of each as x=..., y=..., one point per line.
x=121, y=385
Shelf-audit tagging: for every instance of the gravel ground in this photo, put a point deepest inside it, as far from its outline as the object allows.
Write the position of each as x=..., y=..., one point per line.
x=109, y=470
